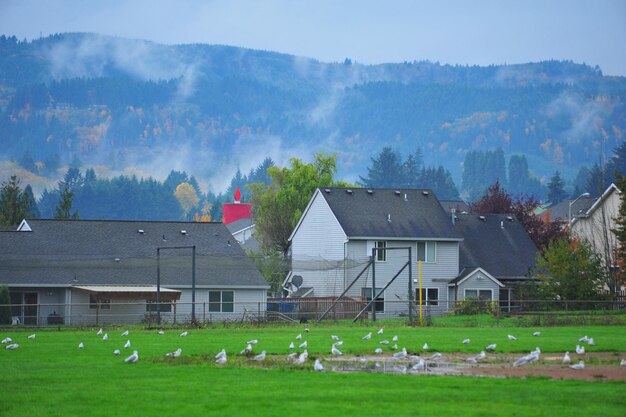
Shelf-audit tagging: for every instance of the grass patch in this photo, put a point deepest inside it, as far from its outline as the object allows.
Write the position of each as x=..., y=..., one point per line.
x=50, y=376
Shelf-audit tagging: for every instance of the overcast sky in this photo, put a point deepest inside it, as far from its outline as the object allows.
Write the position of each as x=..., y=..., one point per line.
x=479, y=32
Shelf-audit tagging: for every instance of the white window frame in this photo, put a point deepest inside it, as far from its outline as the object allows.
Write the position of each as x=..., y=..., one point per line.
x=381, y=255
x=427, y=244
x=425, y=301
x=478, y=290
x=221, y=302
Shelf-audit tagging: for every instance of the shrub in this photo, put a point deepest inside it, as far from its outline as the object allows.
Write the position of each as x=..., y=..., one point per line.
x=473, y=305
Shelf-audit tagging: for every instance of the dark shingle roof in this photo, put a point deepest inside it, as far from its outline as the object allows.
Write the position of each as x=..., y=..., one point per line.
x=498, y=244
x=459, y=205
x=366, y=213
x=116, y=252
x=239, y=225
x=580, y=207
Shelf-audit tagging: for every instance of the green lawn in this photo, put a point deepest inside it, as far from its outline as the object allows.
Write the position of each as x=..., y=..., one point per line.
x=50, y=376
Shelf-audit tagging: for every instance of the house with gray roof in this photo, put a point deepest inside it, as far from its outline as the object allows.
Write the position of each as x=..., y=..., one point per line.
x=88, y=271
x=343, y=230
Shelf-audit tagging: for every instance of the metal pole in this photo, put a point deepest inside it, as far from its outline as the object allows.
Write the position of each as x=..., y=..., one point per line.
x=373, y=284
x=193, y=284
x=158, y=300
x=419, y=272
x=410, y=290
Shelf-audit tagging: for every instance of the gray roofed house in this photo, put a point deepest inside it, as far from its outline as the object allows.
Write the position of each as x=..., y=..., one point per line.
x=459, y=206
x=579, y=207
x=243, y=230
x=68, y=268
x=332, y=249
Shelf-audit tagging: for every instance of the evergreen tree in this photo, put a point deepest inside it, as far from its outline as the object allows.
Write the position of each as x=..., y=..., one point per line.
x=14, y=203
x=31, y=203
x=412, y=170
x=619, y=160
x=440, y=181
x=597, y=182
x=580, y=182
x=556, y=189
x=385, y=172
x=64, y=208
x=518, y=173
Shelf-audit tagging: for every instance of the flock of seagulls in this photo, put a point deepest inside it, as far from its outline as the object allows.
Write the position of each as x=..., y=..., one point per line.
x=300, y=358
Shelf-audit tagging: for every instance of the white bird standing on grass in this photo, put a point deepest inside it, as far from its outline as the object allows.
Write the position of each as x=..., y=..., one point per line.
x=299, y=336
x=132, y=358
x=12, y=346
x=302, y=358
x=32, y=336
x=401, y=354
x=334, y=337
x=380, y=331
x=491, y=347
x=6, y=340
x=367, y=336
x=220, y=354
x=511, y=337
x=335, y=351
x=591, y=342
x=425, y=347
x=378, y=350
x=117, y=352
x=161, y=332
x=246, y=350
x=125, y=333
x=292, y=346
x=339, y=343
x=419, y=366
x=105, y=337
x=537, y=334
x=303, y=345
x=260, y=357
x=99, y=332
x=395, y=347
x=184, y=334
x=221, y=360
x=318, y=365
x=127, y=344
x=174, y=354
x=578, y=366
x=394, y=339
x=622, y=362
x=435, y=356
x=81, y=345
x=580, y=350
x=583, y=339
x=384, y=342
x=253, y=342
x=466, y=341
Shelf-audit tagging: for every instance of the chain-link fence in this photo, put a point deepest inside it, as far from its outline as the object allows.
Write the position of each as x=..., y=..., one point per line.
x=306, y=309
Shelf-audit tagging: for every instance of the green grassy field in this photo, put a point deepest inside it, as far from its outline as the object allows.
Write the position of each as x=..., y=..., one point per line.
x=50, y=376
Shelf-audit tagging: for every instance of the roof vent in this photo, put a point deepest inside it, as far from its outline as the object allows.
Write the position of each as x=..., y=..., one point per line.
x=397, y=192
x=183, y=232
x=327, y=190
x=370, y=192
x=140, y=231
x=483, y=218
x=425, y=193
x=502, y=224
x=117, y=260
x=509, y=218
x=405, y=197
x=164, y=240
x=349, y=191
x=389, y=218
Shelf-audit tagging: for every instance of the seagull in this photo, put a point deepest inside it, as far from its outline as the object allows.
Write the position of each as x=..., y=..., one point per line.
x=132, y=358
x=578, y=366
x=117, y=352
x=99, y=332
x=435, y=356
x=466, y=341
x=583, y=339
x=580, y=350
x=307, y=330
x=32, y=336
x=401, y=354
x=81, y=346
x=291, y=346
x=394, y=339
x=380, y=331
x=425, y=347
x=127, y=344
x=395, y=347
x=246, y=350
x=367, y=336
x=253, y=342
x=303, y=345
x=591, y=342
x=302, y=358
x=335, y=351
x=174, y=354
x=537, y=334
x=511, y=337
x=105, y=337
x=384, y=342
x=379, y=350
x=220, y=354
x=292, y=356
x=622, y=362
x=260, y=357
x=125, y=333
x=318, y=365
x=481, y=355
x=6, y=340
x=334, y=337
x=419, y=366
x=299, y=336
x=339, y=343
x=491, y=347
x=161, y=332
x=184, y=334
x=566, y=358
x=12, y=346
x=221, y=360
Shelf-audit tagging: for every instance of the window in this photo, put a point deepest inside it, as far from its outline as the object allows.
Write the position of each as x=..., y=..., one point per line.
x=151, y=306
x=430, y=296
x=480, y=294
x=93, y=303
x=380, y=301
x=426, y=251
x=381, y=255
x=221, y=301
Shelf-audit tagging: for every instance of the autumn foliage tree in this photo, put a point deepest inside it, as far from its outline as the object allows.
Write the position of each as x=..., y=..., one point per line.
x=187, y=197
x=497, y=200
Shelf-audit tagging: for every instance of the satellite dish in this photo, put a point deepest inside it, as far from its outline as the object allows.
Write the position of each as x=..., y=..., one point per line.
x=296, y=281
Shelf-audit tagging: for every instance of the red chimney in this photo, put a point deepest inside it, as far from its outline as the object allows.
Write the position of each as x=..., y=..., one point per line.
x=231, y=212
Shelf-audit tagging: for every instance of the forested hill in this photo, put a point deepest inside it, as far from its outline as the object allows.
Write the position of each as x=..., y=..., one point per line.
x=123, y=105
